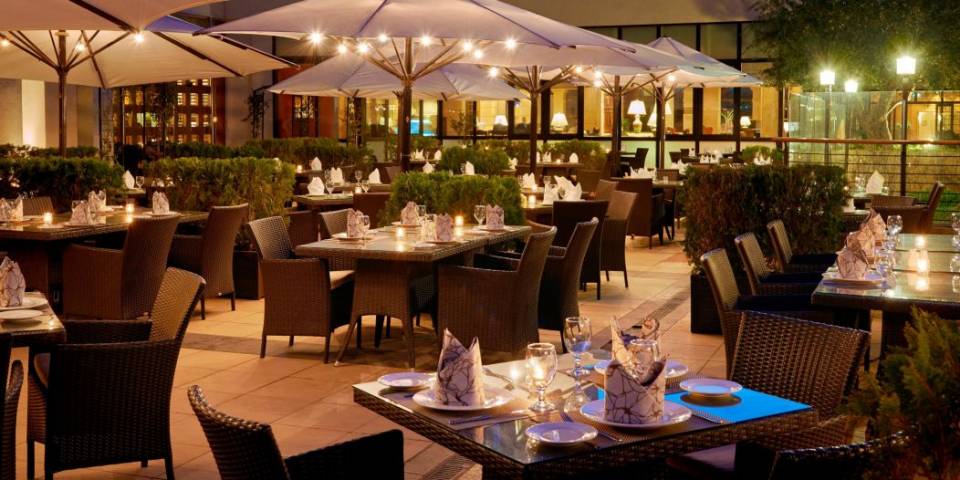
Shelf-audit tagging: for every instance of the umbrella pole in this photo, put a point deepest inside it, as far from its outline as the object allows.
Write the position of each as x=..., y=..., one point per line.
x=534, y=117
x=617, y=120
x=406, y=104
x=62, y=79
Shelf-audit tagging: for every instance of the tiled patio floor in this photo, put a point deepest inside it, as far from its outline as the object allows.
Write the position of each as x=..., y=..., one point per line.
x=309, y=403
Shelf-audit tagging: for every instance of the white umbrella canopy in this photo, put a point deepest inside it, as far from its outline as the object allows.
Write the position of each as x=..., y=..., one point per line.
x=89, y=14
x=166, y=51
x=352, y=76
x=704, y=70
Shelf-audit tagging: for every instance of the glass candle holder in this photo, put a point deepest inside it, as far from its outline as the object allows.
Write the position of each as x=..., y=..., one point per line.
x=921, y=242
x=400, y=233
x=458, y=221
x=541, y=369
x=129, y=208
x=299, y=168
x=47, y=219
x=532, y=201
x=923, y=263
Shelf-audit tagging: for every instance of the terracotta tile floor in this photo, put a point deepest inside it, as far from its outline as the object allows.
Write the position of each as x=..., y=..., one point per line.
x=309, y=403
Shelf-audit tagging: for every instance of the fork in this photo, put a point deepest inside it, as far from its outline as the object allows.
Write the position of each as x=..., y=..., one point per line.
x=708, y=417
x=509, y=381
x=567, y=418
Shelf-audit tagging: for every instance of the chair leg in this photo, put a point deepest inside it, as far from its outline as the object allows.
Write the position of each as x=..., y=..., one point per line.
x=203, y=308
x=291, y=340
x=168, y=465
x=359, y=332
x=608, y=275
x=650, y=242
x=353, y=325
x=263, y=346
x=598, y=289
x=411, y=349
x=144, y=463
x=661, y=237
x=30, y=459
x=388, y=326
x=326, y=349
x=626, y=283
x=377, y=331
x=233, y=301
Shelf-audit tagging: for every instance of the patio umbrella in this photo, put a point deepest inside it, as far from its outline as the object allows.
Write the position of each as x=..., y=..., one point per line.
x=412, y=38
x=112, y=43
x=352, y=76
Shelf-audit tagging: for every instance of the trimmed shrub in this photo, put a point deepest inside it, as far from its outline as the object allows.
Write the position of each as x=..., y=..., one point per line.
x=724, y=202
x=519, y=149
x=61, y=179
x=442, y=192
x=9, y=150
x=301, y=150
x=748, y=154
x=591, y=154
x=485, y=161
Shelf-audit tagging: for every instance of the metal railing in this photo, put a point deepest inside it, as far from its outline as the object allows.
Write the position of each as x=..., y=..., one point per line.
x=909, y=167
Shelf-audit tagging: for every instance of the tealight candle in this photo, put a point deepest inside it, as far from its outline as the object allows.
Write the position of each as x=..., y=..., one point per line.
x=400, y=233
x=129, y=208
x=922, y=283
x=357, y=189
x=532, y=201
x=458, y=221
x=299, y=168
x=923, y=262
x=458, y=232
x=47, y=219
x=129, y=218
x=921, y=241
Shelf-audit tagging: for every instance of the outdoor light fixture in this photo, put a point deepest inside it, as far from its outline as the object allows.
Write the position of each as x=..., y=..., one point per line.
x=745, y=121
x=382, y=38
x=578, y=69
x=598, y=75
x=493, y=72
x=559, y=121
x=828, y=78
x=80, y=47
x=316, y=38
x=4, y=43
x=637, y=108
x=342, y=48
x=478, y=54
x=425, y=40
x=467, y=46
x=851, y=86
x=511, y=44
x=906, y=65
x=363, y=48
x=500, y=120
x=671, y=77
x=138, y=37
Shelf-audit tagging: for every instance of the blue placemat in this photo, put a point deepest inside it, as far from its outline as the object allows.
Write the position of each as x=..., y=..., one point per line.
x=751, y=406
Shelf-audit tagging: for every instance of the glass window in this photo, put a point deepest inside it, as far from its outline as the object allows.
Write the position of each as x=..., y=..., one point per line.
x=381, y=117
x=456, y=118
x=521, y=117
x=181, y=119
x=180, y=99
x=750, y=48
x=492, y=117
x=685, y=34
x=597, y=113
x=205, y=99
x=638, y=119
x=429, y=115
x=564, y=111
x=608, y=31
x=758, y=106
x=194, y=100
x=640, y=34
x=139, y=97
x=718, y=111
x=719, y=40
x=678, y=112
x=194, y=120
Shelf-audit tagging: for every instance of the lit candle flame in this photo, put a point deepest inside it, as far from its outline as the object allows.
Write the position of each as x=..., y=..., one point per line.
x=47, y=218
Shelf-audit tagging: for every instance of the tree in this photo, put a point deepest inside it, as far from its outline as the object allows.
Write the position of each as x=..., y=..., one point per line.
x=860, y=39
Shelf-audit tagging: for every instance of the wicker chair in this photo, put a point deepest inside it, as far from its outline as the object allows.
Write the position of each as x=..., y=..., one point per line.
x=933, y=202
x=392, y=172
x=566, y=217
x=104, y=398
x=304, y=227
x=498, y=307
x=613, y=245
x=730, y=304
x=588, y=179
x=332, y=223
x=301, y=296
x=211, y=255
x=762, y=280
x=787, y=261
x=773, y=355
x=605, y=189
x=371, y=204
x=118, y=284
x=670, y=210
x=912, y=216
x=37, y=205
x=891, y=201
x=11, y=397
x=247, y=450
x=648, y=212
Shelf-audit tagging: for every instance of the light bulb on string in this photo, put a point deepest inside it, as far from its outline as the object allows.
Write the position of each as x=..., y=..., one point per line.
x=468, y=46
x=342, y=48
x=316, y=38
x=578, y=69
x=138, y=37
x=4, y=43
x=511, y=44
x=478, y=54
x=80, y=47
x=363, y=48
x=425, y=40
x=382, y=38
x=493, y=72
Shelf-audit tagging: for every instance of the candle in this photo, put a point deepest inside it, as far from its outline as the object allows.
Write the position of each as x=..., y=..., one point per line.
x=921, y=241
x=458, y=232
x=129, y=208
x=47, y=219
x=400, y=233
x=923, y=262
x=532, y=201
x=458, y=221
x=923, y=283
x=129, y=218
x=357, y=189
x=299, y=168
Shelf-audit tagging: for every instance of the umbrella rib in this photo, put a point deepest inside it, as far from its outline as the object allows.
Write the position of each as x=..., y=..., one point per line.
x=240, y=45
x=53, y=43
x=93, y=59
x=550, y=42
x=103, y=14
x=28, y=48
x=428, y=65
x=370, y=18
x=196, y=53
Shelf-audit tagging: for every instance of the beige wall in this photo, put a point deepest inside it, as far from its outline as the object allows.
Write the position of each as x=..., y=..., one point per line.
x=11, y=113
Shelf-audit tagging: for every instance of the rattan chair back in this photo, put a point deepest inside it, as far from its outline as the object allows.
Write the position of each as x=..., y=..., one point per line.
x=371, y=204
x=912, y=216
x=332, y=223
x=723, y=283
x=304, y=227
x=848, y=461
x=781, y=243
x=588, y=179
x=271, y=239
x=37, y=205
x=8, y=441
x=933, y=202
x=392, y=172
x=754, y=263
x=808, y=362
x=145, y=252
x=605, y=189
x=219, y=240
x=566, y=216
x=891, y=201
x=561, y=276
x=179, y=292
x=621, y=206
x=243, y=449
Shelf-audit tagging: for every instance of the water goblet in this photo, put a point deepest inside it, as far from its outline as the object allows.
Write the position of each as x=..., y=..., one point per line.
x=541, y=369
x=895, y=222
x=480, y=213
x=577, y=335
x=357, y=174
x=138, y=181
x=421, y=211
x=365, y=186
x=884, y=264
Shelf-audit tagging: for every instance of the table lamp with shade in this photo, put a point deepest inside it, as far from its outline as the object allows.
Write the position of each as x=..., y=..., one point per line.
x=559, y=121
x=500, y=120
x=745, y=121
x=637, y=108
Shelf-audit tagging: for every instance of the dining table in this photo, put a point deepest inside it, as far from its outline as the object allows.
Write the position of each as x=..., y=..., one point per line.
x=41, y=331
x=389, y=266
x=38, y=248
x=324, y=202
x=498, y=442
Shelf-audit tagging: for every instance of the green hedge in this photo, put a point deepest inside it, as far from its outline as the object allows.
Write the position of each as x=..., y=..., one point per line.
x=724, y=202
x=442, y=192
x=590, y=154
x=61, y=179
x=301, y=150
x=203, y=183
x=748, y=154
x=486, y=161
x=519, y=149
x=9, y=150
x=210, y=150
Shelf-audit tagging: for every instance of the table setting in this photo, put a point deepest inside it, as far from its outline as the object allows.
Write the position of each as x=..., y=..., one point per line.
x=21, y=310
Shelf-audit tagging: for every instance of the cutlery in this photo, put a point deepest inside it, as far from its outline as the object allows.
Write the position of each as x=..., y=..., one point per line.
x=514, y=415
x=708, y=416
x=509, y=386
x=567, y=418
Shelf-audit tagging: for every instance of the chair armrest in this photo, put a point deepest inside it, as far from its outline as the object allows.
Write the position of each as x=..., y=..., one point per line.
x=186, y=252
x=776, y=288
x=496, y=262
x=106, y=331
x=376, y=456
x=755, y=458
x=91, y=281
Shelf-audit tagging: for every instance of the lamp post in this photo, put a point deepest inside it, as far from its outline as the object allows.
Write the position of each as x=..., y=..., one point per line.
x=906, y=67
x=827, y=79
x=850, y=86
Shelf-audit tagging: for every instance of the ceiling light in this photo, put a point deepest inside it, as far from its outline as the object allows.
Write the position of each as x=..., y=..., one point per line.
x=467, y=46
x=671, y=77
x=578, y=69
x=493, y=72
x=342, y=48
x=138, y=37
x=425, y=40
x=382, y=38
x=511, y=44
x=316, y=38
x=363, y=48
x=598, y=74
x=80, y=47
x=478, y=54
x=4, y=43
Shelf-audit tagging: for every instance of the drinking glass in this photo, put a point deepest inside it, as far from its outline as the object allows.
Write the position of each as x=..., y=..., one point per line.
x=577, y=334
x=541, y=369
x=955, y=222
x=138, y=181
x=955, y=264
x=364, y=186
x=646, y=351
x=463, y=169
x=327, y=175
x=421, y=211
x=895, y=222
x=884, y=264
x=364, y=226
x=357, y=174
x=480, y=213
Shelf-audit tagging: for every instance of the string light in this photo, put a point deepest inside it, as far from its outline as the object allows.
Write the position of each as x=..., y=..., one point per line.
x=478, y=54
x=138, y=37
x=671, y=77
x=597, y=83
x=80, y=47
x=382, y=38
x=511, y=44
x=342, y=48
x=578, y=69
x=316, y=38
x=493, y=72
x=363, y=48
x=425, y=40
x=4, y=43
x=598, y=75
x=467, y=46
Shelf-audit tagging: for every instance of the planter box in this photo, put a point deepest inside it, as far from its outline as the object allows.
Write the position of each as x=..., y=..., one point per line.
x=246, y=275
x=703, y=310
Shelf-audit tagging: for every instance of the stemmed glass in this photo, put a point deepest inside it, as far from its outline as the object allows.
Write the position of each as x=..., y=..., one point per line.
x=358, y=175
x=421, y=211
x=541, y=369
x=364, y=227
x=480, y=213
x=364, y=186
x=138, y=181
x=895, y=224
x=327, y=175
x=884, y=264
x=577, y=335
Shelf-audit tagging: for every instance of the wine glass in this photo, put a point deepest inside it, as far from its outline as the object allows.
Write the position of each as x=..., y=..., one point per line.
x=358, y=174
x=421, y=211
x=895, y=222
x=364, y=186
x=541, y=369
x=577, y=334
x=364, y=227
x=646, y=351
x=480, y=213
x=463, y=169
x=138, y=181
x=884, y=264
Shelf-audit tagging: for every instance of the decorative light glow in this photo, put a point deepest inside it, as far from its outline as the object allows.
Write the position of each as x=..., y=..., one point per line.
x=511, y=44
x=363, y=48
x=744, y=121
x=906, y=65
x=598, y=74
x=493, y=72
x=4, y=43
x=425, y=40
x=80, y=47
x=467, y=46
x=597, y=83
x=578, y=69
x=382, y=38
x=478, y=54
x=316, y=38
x=851, y=86
x=342, y=48
x=671, y=77
x=828, y=78
x=138, y=37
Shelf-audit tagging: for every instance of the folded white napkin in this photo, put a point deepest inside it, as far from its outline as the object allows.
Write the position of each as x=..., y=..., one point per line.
x=551, y=194
x=160, y=204
x=444, y=228
x=409, y=215
x=681, y=167
x=563, y=183
x=513, y=163
x=437, y=155
x=529, y=181
x=468, y=169
x=353, y=223
x=14, y=210
x=876, y=225
x=574, y=158
x=6, y=211
x=316, y=187
x=875, y=183
x=98, y=200
x=459, y=373
x=547, y=158
x=81, y=215
x=633, y=399
x=573, y=194
x=417, y=155
x=12, y=284
x=852, y=260
x=374, y=177
x=428, y=167
x=128, y=180
x=494, y=217
x=316, y=165
x=336, y=176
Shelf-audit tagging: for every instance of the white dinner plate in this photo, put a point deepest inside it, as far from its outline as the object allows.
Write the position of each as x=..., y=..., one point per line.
x=21, y=316
x=344, y=238
x=168, y=214
x=673, y=413
x=870, y=280
x=398, y=224
x=710, y=387
x=561, y=433
x=407, y=380
x=674, y=368
x=29, y=302
x=495, y=397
